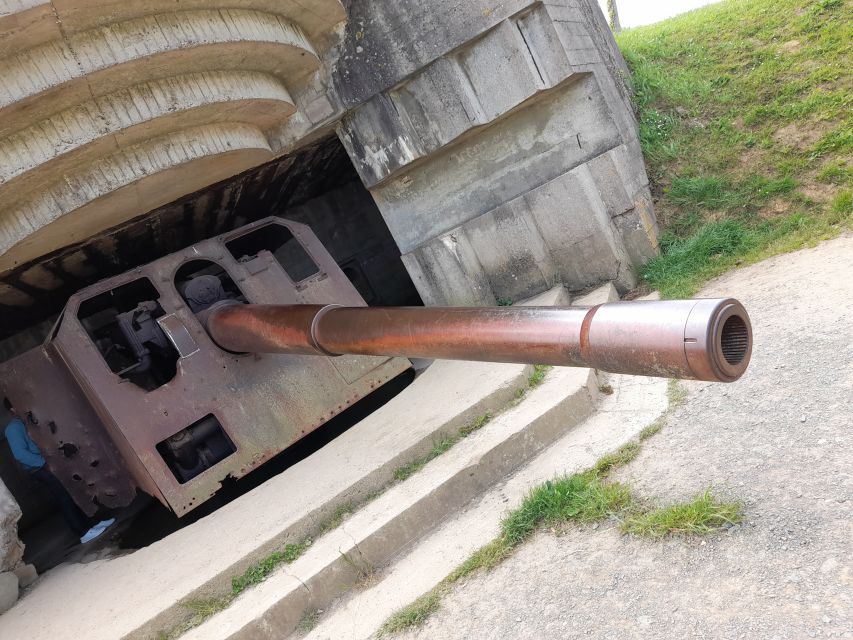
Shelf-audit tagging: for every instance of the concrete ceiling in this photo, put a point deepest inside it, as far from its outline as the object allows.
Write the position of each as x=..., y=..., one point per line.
x=112, y=108
x=37, y=290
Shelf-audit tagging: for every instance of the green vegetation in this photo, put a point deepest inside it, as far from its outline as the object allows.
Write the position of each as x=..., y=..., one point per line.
x=747, y=128
x=441, y=446
x=261, y=570
x=702, y=514
x=652, y=429
x=619, y=458
x=412, y=615
x=538, y=375
x=676, y=394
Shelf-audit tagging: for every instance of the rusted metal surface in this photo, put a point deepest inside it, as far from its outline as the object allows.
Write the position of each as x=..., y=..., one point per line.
x=65, y=427
x=706, y=339
x=264, y=403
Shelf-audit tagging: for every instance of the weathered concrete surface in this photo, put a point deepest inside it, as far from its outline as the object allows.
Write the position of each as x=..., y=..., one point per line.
x=8, y=590
x=11, y=549
x=137, y=594
x=779, y=440
x=378, y=532
x=110, y=109
x=635, y=403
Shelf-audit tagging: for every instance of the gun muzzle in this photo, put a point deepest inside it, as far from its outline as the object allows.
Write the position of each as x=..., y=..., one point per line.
x=703, y=339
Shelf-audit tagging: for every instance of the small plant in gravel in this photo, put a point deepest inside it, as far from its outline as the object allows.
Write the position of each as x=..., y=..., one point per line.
x=703, y=514
x=412, y=615
x=619, y=458
x=652, y=429
x=676, y=393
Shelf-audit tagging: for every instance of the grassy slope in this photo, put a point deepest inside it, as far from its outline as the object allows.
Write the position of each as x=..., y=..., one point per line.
x=746, y=123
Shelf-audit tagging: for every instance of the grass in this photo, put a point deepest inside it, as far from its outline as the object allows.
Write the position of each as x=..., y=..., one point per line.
x=585, y=497
x=702, y=514
x=746, y=124
x=441, y=446
x=619, y=458
x=261, y=570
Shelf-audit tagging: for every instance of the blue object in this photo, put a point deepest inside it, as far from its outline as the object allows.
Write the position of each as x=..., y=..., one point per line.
x=23, y=448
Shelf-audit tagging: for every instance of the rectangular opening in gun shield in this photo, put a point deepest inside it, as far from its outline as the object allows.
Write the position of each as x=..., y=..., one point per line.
x=282, y=244
x=122, y=323
x=195, y=449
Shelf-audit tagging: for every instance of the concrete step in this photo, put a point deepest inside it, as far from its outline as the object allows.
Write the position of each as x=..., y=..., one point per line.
x=635, y=403
x=378, y=532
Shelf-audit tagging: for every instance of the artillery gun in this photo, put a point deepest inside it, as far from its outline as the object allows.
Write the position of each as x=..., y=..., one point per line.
x=206, y=363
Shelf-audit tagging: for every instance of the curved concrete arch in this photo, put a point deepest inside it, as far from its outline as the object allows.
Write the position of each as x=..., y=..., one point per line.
x=315, y=17
x=26, y=23
x=125, y=185
x=55, y=76
x=107, y=124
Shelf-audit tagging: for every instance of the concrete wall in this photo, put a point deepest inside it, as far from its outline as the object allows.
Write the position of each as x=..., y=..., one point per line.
x=508, y=162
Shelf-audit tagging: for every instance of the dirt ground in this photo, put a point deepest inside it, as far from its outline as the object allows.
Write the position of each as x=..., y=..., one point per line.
x=780, y=440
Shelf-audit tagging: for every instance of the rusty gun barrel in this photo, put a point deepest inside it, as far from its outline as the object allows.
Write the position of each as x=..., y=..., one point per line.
x=703, y=339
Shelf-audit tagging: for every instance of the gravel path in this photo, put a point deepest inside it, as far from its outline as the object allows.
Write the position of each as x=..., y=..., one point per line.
x=780, y=440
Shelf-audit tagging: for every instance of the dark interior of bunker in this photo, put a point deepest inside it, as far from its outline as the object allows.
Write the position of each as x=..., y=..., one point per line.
x=317, y=186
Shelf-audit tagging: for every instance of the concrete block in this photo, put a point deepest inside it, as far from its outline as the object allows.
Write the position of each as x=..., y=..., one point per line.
x=8, y=590
x=554, y=297
x=26, y=573
x=572, y=217
x=499, y=68
x=446, y=272
x=604, y=293
x=553, y=134
x=513, y=255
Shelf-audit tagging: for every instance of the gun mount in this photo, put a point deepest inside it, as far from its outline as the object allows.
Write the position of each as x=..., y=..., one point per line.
x=206, y=363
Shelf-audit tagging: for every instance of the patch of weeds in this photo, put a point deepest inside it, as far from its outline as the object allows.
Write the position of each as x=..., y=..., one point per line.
x=606, y=389
x=504, y=302
x=307, y=622
x=412, y=615
x=443, y=445
x=619, y=458
x=538, y=375
x=836, y=172
x=652, y=429
x=581, y=497
x=365, y=572
x=676, y=393
x=475, y=425
x=337, y=517
x=486, y=557
x=703, y=514
x=842, y=206
x=411, y=468
x=201, y=609
x=262, y=569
